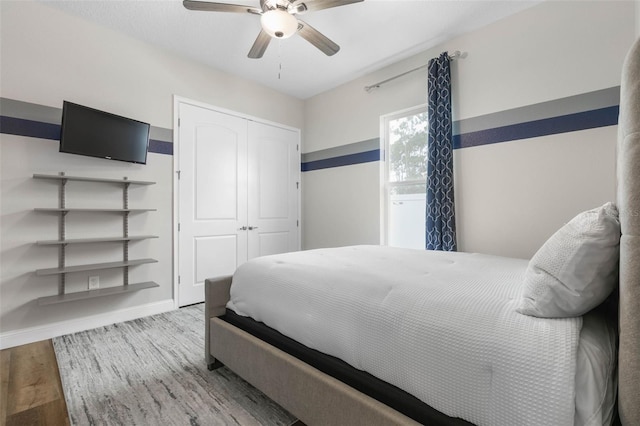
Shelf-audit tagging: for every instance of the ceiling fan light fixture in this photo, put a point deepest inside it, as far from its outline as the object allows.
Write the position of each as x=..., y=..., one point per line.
x=279, y=23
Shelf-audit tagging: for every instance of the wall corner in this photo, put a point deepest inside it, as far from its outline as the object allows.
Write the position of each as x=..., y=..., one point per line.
x=637, y=2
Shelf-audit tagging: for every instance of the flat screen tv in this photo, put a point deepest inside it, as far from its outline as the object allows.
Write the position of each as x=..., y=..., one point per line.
x=88, y=131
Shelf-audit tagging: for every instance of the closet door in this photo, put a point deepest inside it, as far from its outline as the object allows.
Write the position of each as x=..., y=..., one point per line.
x=274, y=171
x=212, y=198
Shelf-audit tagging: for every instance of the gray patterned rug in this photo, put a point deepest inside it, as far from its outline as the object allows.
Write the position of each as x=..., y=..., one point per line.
x=151, y=371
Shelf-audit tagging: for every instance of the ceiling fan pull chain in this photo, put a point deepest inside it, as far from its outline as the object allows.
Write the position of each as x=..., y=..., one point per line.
x=279, y=59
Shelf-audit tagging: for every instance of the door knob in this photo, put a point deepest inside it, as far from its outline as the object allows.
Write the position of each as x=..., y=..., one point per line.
x=244, y=228
x=251, y=228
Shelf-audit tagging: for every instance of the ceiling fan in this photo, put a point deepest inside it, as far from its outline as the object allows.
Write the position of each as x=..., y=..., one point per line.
x=278, y=20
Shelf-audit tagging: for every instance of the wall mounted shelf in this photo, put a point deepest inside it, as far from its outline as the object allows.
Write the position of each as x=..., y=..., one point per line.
x=94, y=240
x=65, y=210
x=62, y=242
x=108, y=291
x=91, y=179
x=93, y=267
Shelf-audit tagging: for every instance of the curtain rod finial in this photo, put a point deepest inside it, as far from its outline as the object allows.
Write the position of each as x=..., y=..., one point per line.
x=458, y=55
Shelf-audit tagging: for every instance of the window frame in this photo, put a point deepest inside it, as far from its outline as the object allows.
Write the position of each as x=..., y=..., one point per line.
x=385, y=184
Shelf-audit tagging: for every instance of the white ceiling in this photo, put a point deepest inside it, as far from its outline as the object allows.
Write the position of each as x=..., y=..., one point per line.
x=371, y=34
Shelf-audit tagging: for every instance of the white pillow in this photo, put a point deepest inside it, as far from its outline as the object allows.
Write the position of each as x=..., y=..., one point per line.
x=576, y=269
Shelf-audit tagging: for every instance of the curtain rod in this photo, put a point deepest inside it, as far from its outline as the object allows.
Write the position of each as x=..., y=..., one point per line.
x=454, y=55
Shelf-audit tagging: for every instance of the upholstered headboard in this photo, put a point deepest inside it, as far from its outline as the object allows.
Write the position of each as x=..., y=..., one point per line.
x=628, y=169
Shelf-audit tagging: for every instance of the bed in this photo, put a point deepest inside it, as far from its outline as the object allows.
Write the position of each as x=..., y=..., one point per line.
x=298, y=363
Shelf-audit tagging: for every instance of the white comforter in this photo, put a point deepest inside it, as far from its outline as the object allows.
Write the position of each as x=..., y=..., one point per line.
x=441, y=326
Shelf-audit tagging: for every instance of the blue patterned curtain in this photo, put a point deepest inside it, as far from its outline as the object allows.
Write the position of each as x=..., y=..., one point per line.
x=440, y=217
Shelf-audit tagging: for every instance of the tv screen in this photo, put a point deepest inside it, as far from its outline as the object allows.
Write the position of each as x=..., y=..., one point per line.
x=88, y=131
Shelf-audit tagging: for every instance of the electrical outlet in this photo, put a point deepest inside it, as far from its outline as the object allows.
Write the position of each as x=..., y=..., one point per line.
x=94, y=282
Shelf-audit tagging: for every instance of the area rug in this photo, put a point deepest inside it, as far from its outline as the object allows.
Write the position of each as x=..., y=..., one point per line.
x=151, y=371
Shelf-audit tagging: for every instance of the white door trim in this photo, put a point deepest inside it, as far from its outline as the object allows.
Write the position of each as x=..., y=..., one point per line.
x=177, y=100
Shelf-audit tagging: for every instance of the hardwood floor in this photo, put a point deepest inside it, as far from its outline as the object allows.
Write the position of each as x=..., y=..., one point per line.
x=30, y=387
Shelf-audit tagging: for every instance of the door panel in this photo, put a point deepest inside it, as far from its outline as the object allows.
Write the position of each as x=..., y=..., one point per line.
x=274, y=242
x=274, y=165
x=212, y=196
x=274, y=183
x=225, y=247
x=216, y=168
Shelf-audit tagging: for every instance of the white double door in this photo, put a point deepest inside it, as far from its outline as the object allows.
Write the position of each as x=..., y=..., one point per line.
x=238, y=195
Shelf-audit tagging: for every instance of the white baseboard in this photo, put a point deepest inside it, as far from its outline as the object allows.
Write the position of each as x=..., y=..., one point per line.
x=34, y=334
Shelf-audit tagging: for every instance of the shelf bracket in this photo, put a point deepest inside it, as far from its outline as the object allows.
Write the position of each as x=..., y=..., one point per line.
x=62, y=233
x=125, y=231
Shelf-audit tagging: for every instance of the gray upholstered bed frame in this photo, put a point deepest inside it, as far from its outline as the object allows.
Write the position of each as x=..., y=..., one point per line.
x=628, y=163
x=319, y=399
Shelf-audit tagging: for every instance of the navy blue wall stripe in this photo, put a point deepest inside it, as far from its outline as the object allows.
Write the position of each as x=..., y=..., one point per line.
x=550, y=126
x=345, y=160
x=160, y=147
x=37, y=129
x=29, y=128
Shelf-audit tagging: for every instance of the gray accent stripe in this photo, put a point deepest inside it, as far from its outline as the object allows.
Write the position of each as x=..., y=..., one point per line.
x=161, y=134
x=559, y=107
x=341, y=151
x=29, y=111
x=52, y=115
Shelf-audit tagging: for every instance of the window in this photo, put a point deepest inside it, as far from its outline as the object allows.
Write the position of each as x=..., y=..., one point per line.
x=405, y=145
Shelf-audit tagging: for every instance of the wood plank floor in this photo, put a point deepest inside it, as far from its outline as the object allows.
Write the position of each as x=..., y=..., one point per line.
x=31, y=391
x=30, y=387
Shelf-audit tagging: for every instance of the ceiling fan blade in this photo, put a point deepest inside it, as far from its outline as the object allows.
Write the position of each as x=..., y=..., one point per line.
x=260, y=45
x=316, y=38
x=310, y=6
x=219, y=7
